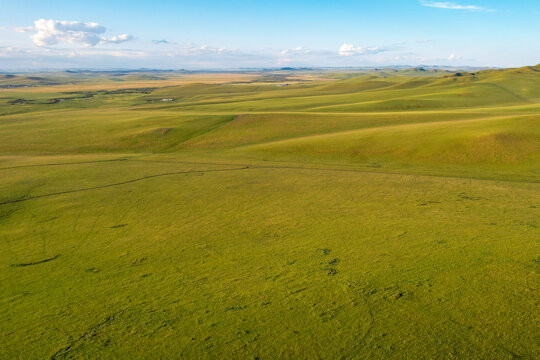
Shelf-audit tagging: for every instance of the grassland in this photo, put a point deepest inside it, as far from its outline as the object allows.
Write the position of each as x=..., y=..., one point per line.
x=377, y=214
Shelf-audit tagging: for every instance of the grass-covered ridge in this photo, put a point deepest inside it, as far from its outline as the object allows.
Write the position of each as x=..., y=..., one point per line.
x=366, y=214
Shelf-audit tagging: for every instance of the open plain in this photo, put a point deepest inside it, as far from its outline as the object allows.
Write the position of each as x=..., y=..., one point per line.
x=291, y=214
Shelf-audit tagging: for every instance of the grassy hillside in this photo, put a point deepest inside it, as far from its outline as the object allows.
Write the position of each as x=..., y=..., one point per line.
x=379, y=214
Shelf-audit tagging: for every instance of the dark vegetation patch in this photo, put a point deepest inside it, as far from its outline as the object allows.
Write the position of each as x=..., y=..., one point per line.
x=334, y=262
x=331, y=271
x=328, y=315
x=118, y=226
x=51, y=101
x=15, y=86
x=79, y=95
x=272, y=78
x=235, y=308
x=47, y=220
x=463, y=196
x=325, y=251
x=462, y=74
x=429, y=202
x=145, y=90
x=139, y=261
x=24, y=81
x=35, y=262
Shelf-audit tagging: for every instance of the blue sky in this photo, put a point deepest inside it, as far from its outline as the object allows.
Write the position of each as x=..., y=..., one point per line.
x=252, y=33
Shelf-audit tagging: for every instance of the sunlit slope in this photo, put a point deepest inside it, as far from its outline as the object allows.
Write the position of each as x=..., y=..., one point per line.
x=468, y=124
x=117, y=130
x=250, y=129
x=368, y=93
x=486, y=147
x=97, y=131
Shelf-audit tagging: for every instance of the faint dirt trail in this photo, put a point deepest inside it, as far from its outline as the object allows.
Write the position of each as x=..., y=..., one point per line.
x=62, y=164
x=66, y=352
x=117, y=184
x=244, y=167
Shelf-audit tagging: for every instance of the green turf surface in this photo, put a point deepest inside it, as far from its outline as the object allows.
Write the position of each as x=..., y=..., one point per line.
x=383, y=215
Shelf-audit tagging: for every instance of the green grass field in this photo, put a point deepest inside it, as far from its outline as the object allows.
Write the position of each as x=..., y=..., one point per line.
x=370, y=215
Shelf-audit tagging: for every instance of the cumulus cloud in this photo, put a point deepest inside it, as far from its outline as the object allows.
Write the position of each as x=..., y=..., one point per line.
x=452, y=6
x=203, y=50
x=296, y=50
x=197, y=56
x=117, y=39
x=454, y=57
x=350, y=50
x=287, y=56
x=52, y=32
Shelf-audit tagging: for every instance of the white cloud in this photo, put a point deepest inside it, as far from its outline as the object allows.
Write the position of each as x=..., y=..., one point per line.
x=454, y=57
x=204, y=50
x=285, y=57
x=296, y=50
x=350, y=50
x=23, y=29
x=346, y=50
x=197, y=56
x=117, y=39
x=452, y=6
x=52, y=32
